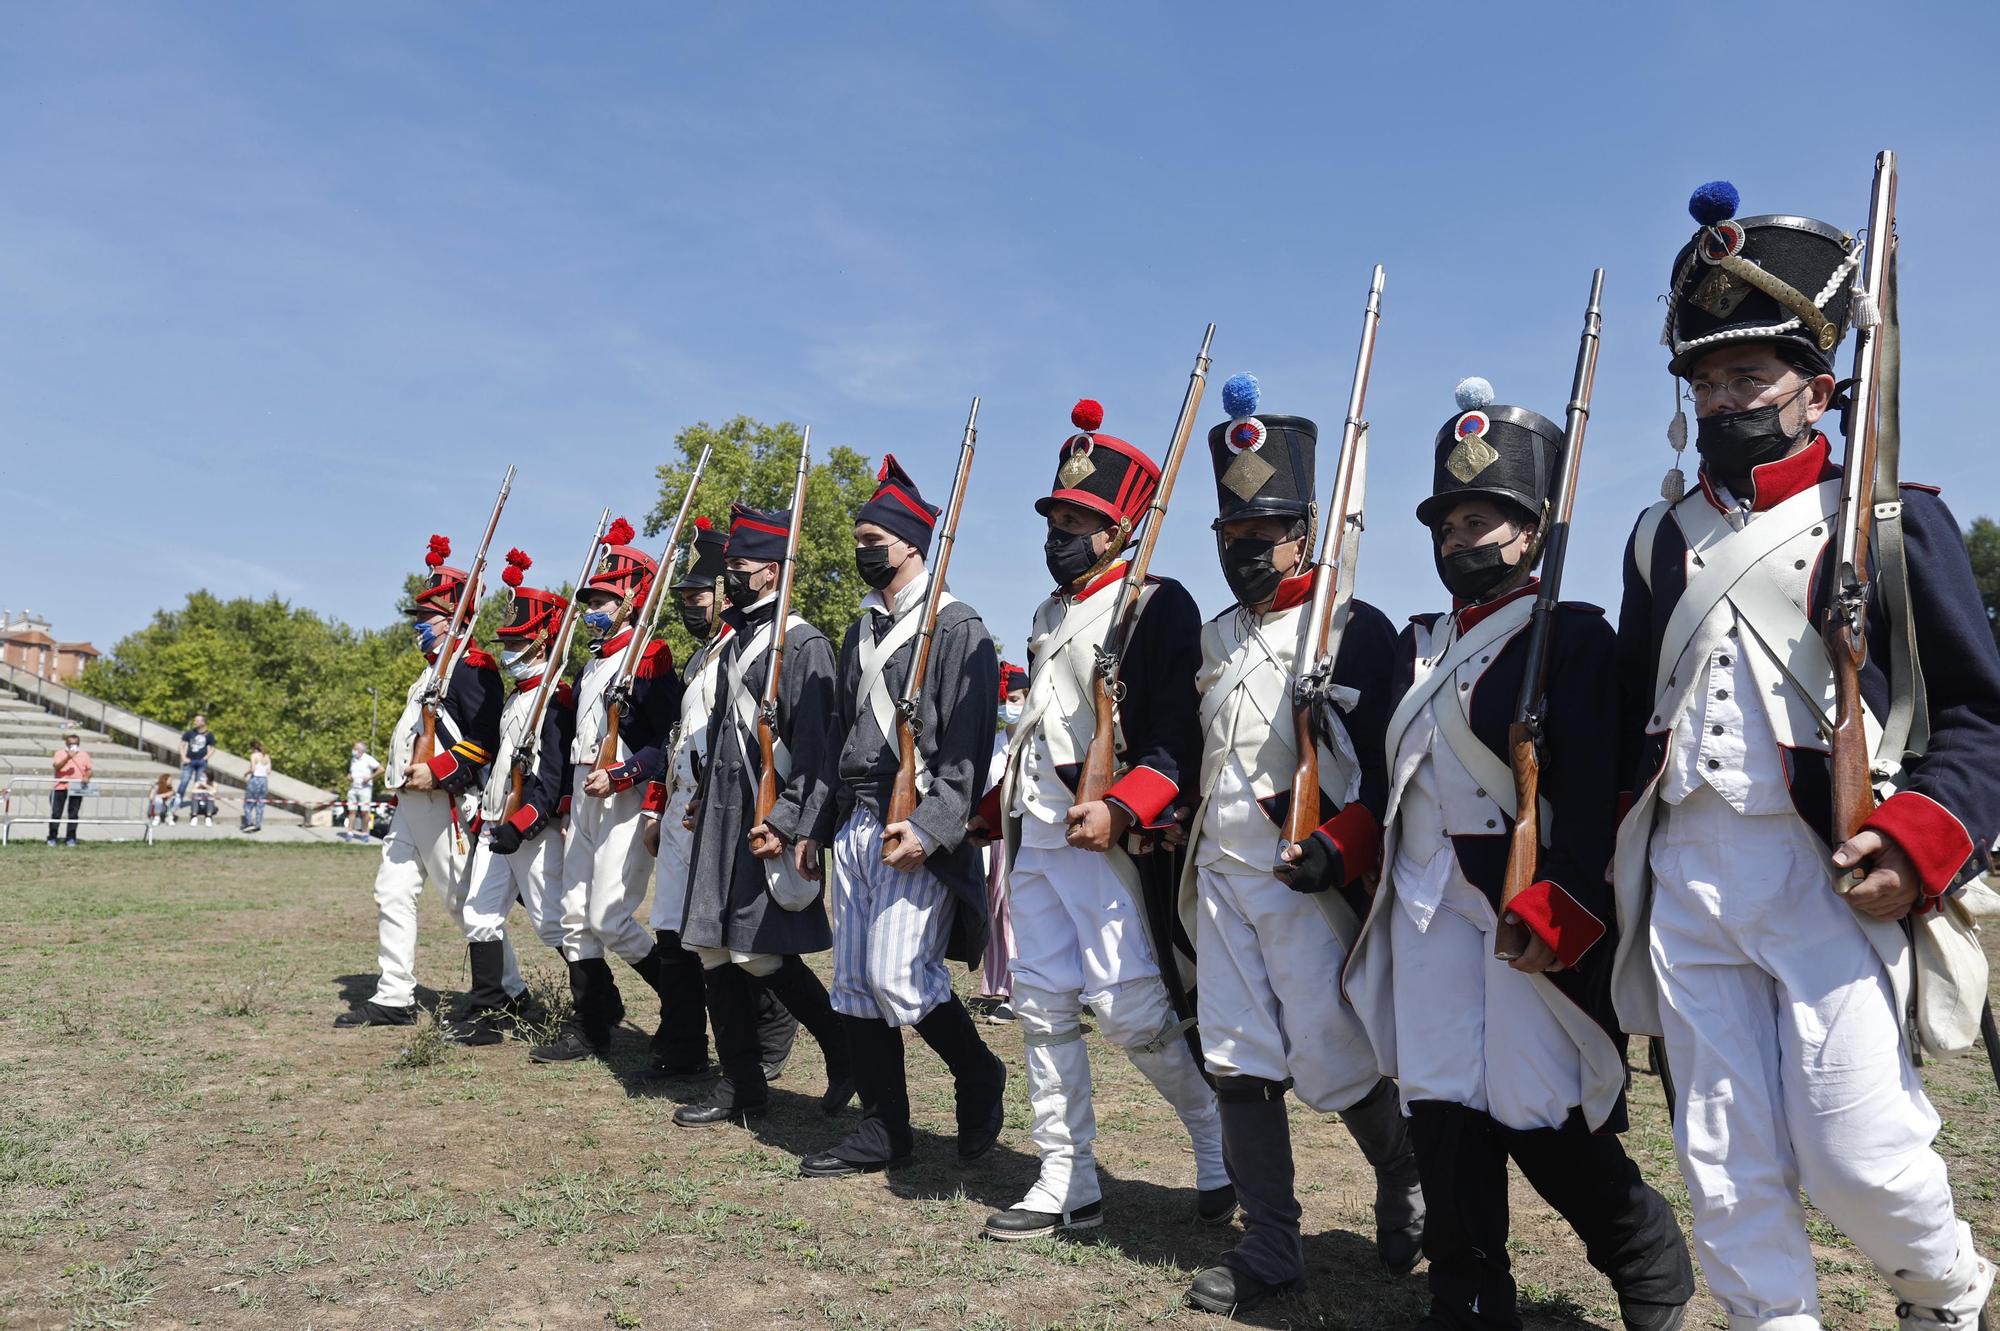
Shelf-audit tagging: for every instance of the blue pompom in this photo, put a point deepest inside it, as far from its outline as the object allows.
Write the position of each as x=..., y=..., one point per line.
x=1473, y=393
x=1239, y=395
x=1714, y=202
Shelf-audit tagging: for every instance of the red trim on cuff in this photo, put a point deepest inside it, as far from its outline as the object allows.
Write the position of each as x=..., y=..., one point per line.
x=1358, y=837
x=1145, y=792
x=625, y=775
x=524, y=819
x=443, y=765
x=989, y=809
x=1559, y=920
x=1927, y=832
x=562, y=806
x=656, y=797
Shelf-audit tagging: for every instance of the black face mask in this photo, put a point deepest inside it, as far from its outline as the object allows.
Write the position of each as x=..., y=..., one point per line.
x=873, y=563
x=1732, y=444
x=1247, y=568
x=1474, y=573
x=1069, y=556
x=736, y=588
x=697, y=621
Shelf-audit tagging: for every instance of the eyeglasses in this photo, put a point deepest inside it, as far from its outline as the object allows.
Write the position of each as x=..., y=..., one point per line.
x=1741, y=388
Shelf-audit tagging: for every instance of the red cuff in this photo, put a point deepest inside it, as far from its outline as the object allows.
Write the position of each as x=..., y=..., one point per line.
x=656, y=797
x=1358, y=837
x=989, y=809
x=1145, y=792
x=625, y=775
x=1558, y=920
x=524, y=819
x=562, y=807
x=443, y=765
x=1926, y=831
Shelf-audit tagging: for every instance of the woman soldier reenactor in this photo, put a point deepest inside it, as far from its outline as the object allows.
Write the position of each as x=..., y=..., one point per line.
x=1500, y=1059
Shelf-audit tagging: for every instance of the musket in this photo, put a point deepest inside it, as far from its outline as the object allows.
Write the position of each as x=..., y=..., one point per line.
x=1524, y=735
x=526, y=752
x=1100, y=760
x=1845, y=627
x=903, y=795
x=1333, y=579
x=767, y=712
x=459, y=636
x=618, y=693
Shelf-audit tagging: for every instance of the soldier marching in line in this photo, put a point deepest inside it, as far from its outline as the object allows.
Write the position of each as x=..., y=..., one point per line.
x=1081, y=930
x=1500, y=1059
x=1267, y=944
x=518, y=854
x=680, y=1046
x=426, y=844
x=1779, y=997
x=605, y=866
x=909, y=895
x=734, y=920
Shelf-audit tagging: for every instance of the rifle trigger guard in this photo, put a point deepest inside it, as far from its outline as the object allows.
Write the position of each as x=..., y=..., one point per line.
x=1107, y=670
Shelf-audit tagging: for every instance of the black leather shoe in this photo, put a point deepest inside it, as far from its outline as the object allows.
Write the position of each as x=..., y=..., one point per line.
x=1227, y=1291
x=1215, y=1206
x=774, y=1070
x=571, y=1048
x=479, y=1030
x=839, y=1094
x=1652, y=1316
x=679, y=1069
x=828, y=1165
x=522, y=1007
x=709, y=1116
x=372, y=1013
x=1018, y=1222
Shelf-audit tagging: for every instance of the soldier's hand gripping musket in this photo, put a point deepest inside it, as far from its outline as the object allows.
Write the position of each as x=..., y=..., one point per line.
x=459, y=636
x=1524, y=737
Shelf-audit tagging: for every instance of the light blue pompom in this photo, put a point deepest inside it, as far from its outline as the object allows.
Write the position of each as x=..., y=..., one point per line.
x=1239, y=395
x=1473, y=393
x=1714, y=202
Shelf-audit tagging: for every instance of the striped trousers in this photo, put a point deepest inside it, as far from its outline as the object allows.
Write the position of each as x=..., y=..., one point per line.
x=889, y=930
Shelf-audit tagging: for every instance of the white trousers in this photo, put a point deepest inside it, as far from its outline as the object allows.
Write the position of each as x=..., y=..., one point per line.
x=533, y=874
x=889, y=930
x=670, y=871
x=1269, y=993
x=1782, y=1034
x=1081, y=942
x=1470, y=1029
x=422, y=846
x=605, y=874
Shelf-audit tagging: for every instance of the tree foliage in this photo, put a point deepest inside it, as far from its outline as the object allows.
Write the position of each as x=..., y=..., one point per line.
x=757, y=463
x=1982, y=543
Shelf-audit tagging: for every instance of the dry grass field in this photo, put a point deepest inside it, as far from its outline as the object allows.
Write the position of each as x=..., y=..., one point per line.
x=186, y=1141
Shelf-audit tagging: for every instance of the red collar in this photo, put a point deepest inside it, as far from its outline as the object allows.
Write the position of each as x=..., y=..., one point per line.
x=1293, y=592
x=1103, y=580
x=1469, y=613
x=1775, y=482
x=522, y=686
x=614, y=643
x=478, y=660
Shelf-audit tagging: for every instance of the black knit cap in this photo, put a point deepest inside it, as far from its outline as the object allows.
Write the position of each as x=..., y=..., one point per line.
x=1263, y=463
x=1488, y=450
x=898, y=508
x=758, y=533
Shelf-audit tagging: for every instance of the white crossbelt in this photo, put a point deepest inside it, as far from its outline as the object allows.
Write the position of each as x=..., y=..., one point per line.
x=874, y=659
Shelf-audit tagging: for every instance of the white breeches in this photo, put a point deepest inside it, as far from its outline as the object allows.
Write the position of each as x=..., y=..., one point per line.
x=422, y=847
x=1269, y=992
x=1782, y=1034
x=759, y=964
x=1470, y=1029
x=889, y=930
x=533, y=874
x=1082, y=943
x=605, y=874
x=670, y=872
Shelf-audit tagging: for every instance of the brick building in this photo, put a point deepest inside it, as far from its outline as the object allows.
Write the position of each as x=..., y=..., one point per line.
x=25, y=643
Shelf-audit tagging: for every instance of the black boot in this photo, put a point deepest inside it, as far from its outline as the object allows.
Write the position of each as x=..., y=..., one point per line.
x=979, y=1078
x=777, y=1030
x=1257, y=1148
x=582, y=1036
x=883, y=1136
x=372, y=1013
x=1376, y=1124
x=485, y=997
x=739, y=1093
x=607, y=1006
x=795, y=985
x=1464, y=1168
x=680, y=1045
x=1628, y=1230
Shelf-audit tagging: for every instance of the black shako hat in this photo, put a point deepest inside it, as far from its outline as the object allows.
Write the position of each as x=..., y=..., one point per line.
x=1101, y=472
x=1494, y=451
x=1263, y=463
x=531, y=611
x=706, y=566
x=1770, y=278
x=899, y=508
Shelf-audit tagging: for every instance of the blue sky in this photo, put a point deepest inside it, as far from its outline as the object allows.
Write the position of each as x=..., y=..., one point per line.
x=285, y=286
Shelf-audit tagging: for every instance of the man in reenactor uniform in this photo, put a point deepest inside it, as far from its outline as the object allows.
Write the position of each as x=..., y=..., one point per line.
x=517, y=853
x=427, y=841
x=753, y=897
x=1499, y=1059
x=605, y=865
x=909, y=896
x=1781, y=1000
x=680, y=1045
x=1270, y=933
x=1087, y=933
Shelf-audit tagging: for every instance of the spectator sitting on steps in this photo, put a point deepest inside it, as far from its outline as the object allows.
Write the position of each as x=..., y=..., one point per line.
x=72, y=773
x=196, y=743
x=204, y=800
x=160, y=804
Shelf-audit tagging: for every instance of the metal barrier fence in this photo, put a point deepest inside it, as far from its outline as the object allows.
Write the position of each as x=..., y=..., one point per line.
x=112, y=802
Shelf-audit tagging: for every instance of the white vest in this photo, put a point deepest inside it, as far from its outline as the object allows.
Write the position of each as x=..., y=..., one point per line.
x=410, y=729
x=698, y=700
x=591, y=711
x=513, y=730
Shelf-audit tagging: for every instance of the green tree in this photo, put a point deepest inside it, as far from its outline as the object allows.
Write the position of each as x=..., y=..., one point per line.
x=1982, y=543
x=757, y=463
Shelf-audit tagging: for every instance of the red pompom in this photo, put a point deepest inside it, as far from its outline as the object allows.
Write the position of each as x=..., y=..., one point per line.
x=519, y=559
x=621, y=533
x=1087, y=414
x=511, y=575
x=701, y=523
x=434, y=559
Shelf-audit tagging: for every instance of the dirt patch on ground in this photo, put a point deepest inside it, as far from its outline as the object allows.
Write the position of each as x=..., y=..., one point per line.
x=185, y=1141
